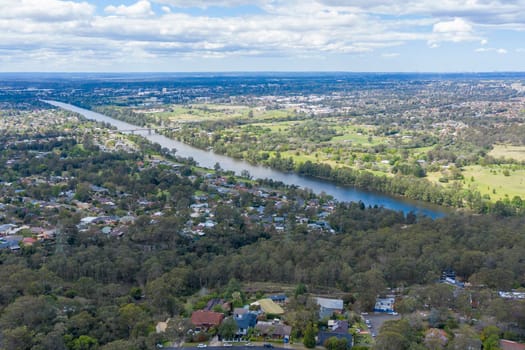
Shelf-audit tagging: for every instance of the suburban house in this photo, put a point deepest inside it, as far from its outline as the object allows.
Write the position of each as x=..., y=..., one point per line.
x=216, y=302
x=385, y=304
x=203, y=319
x=338, y=326
x=510, y=345
x=327, y=307
x=435, y=335
x=274, y=330
x=268, y=306
x=278, y=299
x=244, y=322
x=449, y=277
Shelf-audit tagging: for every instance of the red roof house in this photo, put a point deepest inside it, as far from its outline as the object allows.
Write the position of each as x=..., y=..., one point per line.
x=206, y=319
x=28, y=240
x=510, y=345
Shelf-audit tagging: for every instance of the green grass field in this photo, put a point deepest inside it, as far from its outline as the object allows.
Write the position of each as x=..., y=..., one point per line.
x=508, y=152
x=494, y=182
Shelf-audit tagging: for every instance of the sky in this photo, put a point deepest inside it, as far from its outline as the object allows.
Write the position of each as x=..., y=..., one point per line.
x=262, y=35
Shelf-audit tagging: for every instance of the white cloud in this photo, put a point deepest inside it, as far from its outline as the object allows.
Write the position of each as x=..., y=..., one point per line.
x=456, y=30
x=207, y=3
x=458, y=25
x=45, y=10
x=492, y=49
x=141, y=8
x=282, y=28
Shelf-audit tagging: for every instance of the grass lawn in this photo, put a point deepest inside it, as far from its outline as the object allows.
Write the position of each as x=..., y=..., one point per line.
x=434, y=177
x=203, y=112
x=273, y=127
x=508, y=152
x=490, y=180
x=357, y=139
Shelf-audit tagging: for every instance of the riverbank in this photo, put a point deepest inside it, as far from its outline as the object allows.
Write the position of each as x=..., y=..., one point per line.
x=208, y=159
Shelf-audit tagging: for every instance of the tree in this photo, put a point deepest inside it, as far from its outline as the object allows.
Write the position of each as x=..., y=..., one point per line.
x=217, y=168
x=131, y=316
x=19, y=338
x=490, y=338
x=465, y=338
x=334, y=343
x=390, y=340
x=228, y=329
x=309, y=337
x=119, y=345
x=246, y=174
x=85, y=342
x=300, y=290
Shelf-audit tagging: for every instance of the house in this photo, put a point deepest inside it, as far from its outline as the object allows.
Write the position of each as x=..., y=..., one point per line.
x=213, y=303
x=338, y=326
x=206, y=319
x=29, y=241
x=327, y=307
x=279, y=299
x=510, y=345
x=384, y=304
x=435, y=335
x=512, y=295
x=239, y=311
x=269, y=307
x=10, y=242
x=449, y=277
x=6, y=229
x=274, y=330
x=244, y=322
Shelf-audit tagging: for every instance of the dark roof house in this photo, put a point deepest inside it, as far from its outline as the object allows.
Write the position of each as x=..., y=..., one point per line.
x=244, y=322
x=273, y=330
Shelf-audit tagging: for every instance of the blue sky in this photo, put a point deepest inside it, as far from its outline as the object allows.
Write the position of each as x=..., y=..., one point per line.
x=262, y=35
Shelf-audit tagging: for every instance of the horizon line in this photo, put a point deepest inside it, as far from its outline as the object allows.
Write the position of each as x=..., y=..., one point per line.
x=264, y=71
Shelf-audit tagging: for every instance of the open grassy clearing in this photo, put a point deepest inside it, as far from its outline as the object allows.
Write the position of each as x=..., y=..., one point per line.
x=435, y=176
x=272, y=126
x=358, y=139
x=186, y=114
x=205, y=112
x=493, y=181
x=508, y=152
x=302, y=158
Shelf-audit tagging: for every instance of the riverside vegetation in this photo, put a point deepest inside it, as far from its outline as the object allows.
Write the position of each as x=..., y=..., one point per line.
x=453, y=141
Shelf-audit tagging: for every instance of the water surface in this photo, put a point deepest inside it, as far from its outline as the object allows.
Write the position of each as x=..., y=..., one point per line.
x=208, y=159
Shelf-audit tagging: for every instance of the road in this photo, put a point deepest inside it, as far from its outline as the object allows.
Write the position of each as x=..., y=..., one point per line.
x=377, y=319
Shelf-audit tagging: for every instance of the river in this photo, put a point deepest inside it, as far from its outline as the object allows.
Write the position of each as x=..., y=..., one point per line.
x=208, y=159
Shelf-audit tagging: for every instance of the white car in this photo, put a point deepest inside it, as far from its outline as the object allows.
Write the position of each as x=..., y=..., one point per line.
x=202, y=345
